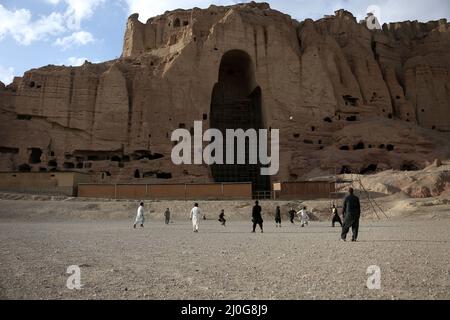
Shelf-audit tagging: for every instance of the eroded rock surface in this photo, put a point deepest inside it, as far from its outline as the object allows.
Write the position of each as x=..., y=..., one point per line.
x=345, y=98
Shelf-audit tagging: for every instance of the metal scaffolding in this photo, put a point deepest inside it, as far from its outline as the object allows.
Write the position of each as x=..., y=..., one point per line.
x=368, y=203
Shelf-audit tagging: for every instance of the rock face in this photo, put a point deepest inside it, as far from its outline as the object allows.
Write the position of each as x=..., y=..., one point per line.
x=345, y=98
x=430, y=182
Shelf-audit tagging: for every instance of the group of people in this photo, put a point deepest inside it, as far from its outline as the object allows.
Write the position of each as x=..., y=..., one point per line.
x=140, y=218
x=195, y=216
x=351, y=213
x=303, y=216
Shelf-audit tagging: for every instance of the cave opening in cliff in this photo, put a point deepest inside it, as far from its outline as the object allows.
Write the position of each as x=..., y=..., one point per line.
x=24, y=168
x=409, y=166
x=52, y=163
x=346, y=170
x=370, y=169
x=35, y=155
x=349, y=100
x=68, y=165
x=236, y=103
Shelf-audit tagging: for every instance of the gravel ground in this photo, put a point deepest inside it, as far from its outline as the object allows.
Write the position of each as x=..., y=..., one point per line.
x=171, y=262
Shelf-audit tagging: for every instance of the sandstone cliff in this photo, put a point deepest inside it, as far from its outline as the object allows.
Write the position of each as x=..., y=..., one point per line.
x=345, y=98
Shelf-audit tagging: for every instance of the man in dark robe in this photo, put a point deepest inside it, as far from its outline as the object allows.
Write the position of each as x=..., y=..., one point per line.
x=278, y=216
x=292, y=213
x=351, y=213
x=256, y=217
x=222, y=218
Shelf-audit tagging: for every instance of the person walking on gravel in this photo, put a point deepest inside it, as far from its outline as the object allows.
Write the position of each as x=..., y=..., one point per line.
x=222, y=217
x=256, y=217
x=167, y=216
x=304, y=217
x=292, y=215
x=336, y=217
x=351, y=213
x=278, y=216
x=139, y=216
x=195, y=217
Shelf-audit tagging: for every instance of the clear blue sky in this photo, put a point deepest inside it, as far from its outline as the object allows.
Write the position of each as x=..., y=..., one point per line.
x=35, y=33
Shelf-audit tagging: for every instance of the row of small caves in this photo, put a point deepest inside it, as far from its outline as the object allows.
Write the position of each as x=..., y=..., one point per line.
x=177, y=22
x=354, y=102
x=358, y=146
x=351, y=101
x=348, y=100
x=83, y=160
x=373, y=168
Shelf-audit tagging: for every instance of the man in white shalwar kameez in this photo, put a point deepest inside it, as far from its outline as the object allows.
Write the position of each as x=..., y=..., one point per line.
x=195, y=216
x=139, y=216
x=303, y=215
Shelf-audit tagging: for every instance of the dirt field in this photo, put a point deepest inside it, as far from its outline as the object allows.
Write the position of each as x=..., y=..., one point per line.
x=171, y=262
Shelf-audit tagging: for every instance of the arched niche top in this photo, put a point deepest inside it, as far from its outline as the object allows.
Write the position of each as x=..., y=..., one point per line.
x=237, y=70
